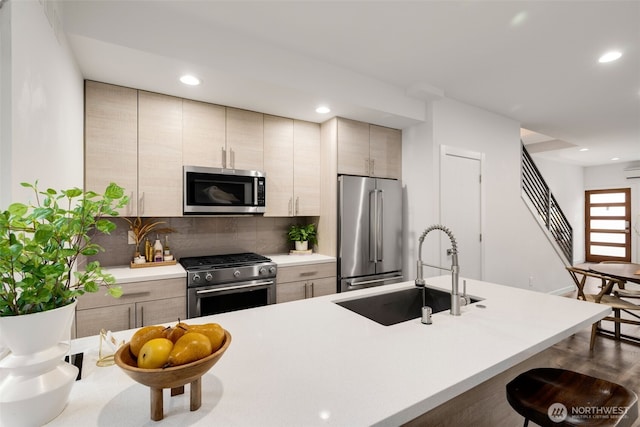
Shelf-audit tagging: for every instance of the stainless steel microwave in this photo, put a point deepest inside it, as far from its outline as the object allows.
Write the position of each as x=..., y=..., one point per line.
x=215, y=191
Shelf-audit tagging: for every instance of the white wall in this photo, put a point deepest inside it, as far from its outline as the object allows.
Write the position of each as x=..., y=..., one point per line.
x=515, y=248
x=45, y=141
x=567, y=185
x=612, y=176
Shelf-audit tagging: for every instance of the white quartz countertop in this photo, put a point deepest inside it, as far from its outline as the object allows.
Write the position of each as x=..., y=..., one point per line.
x=126, y=274
x=314, y=363
x=286, y=260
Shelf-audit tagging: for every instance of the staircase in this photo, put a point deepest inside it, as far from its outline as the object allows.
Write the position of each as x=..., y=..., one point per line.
x=544, y=207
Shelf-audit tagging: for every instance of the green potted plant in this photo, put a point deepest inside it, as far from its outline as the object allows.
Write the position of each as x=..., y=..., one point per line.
x=40, y=244
x=302, y=235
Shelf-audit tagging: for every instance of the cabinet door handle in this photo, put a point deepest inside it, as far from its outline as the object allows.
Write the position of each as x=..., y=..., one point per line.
x=313, y=291
x=290, y=206
x=130, y=205
x=373, y=166
x=141, y=204
x=233, y=159
x=135, y=294
x=366, y=166
x=306, y=291
x=141, y=315
x=308, y=273
x=297, y=205
x=129, y=314
x=224, y=157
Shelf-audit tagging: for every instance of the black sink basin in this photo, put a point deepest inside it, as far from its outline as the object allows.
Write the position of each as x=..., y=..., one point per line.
x=395, y=307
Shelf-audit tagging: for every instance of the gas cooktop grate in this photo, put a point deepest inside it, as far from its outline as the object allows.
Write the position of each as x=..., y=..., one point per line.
x=223, y=261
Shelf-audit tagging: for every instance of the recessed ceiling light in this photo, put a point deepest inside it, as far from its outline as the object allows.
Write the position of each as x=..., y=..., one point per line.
x=190, y=80
x=323, y=109
x=615, y=158
x=584, y=149
x=610, y=56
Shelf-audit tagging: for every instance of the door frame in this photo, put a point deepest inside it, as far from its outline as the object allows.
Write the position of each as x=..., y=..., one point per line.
x=447, y=150
x=587, y=227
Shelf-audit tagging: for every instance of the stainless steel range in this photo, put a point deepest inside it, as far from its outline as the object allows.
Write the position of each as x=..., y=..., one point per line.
x=222, y=283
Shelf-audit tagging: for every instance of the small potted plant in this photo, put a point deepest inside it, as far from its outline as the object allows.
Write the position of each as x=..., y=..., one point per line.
x=302, y=235
x=40, y=244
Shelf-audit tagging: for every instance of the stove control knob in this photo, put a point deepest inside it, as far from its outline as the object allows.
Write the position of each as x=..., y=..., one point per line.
x=236, y=273
x=196, y=277
x=208, y=277
x=262, y=270
x=272, y=270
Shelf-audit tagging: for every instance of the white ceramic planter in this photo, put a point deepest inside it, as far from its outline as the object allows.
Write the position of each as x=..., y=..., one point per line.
x=302, y=246
x=35, y=381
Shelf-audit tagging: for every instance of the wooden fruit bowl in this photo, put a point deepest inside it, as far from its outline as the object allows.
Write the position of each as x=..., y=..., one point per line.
x=174, y=377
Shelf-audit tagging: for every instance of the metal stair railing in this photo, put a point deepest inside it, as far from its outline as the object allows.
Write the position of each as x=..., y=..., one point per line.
x=546, y=206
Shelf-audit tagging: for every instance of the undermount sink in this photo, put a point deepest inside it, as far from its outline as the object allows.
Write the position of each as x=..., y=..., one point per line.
x=399, y=306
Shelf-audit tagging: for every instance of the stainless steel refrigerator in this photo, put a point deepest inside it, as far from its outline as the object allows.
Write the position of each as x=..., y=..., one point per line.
x=369, y=232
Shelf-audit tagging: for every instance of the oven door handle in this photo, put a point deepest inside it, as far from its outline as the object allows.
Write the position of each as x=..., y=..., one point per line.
x=230, y=288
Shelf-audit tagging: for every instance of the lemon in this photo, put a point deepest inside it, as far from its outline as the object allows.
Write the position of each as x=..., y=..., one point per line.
x=154, y=353
x=145, y=334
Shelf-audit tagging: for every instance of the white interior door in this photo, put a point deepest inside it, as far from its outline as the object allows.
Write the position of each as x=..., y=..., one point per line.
x=461, y=208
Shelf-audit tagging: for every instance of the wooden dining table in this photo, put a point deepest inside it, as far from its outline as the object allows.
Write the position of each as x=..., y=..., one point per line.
x=627, y=272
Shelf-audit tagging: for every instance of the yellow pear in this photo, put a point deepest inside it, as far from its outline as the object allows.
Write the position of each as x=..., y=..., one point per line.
x=154, y=353
x=190, y=347
x=145, y=334
x=213, y=331
x=177, y=331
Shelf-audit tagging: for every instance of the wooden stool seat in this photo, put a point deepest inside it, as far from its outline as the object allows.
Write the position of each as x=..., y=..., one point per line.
x=558, y=397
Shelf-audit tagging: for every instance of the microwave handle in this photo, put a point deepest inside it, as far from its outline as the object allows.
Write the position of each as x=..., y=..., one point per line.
x=224, y=157
x=255, y=191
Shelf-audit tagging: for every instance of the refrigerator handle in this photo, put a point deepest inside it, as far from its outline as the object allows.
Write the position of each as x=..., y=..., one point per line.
x=379, y=230
x=373, y=226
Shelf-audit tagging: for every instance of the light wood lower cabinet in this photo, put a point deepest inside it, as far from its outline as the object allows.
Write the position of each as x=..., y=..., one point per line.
x=141, y=304
x=305, y=281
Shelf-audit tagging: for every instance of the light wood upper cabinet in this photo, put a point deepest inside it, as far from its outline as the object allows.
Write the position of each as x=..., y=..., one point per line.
x=291, y=162
x=306, y=168
x=386, y=152
x=278, y=165
x=369, y=150
x=159, y=155
x=203, y=134
x=245, y=144
x=111, y=140
x=353, y=147
x=134, y=138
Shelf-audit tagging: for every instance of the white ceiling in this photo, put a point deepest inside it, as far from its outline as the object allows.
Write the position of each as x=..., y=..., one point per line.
x=532, y=61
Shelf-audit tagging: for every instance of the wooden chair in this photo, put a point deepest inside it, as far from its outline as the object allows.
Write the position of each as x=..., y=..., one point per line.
x=559, y=397
x=612, y=294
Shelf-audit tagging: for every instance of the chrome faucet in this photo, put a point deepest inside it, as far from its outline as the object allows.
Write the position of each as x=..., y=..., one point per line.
x=456, y=299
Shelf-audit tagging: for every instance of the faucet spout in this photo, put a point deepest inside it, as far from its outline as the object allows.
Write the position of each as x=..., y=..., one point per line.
x=455, y=268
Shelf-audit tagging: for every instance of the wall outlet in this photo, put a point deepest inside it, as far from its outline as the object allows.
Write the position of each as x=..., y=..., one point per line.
x=130, y=238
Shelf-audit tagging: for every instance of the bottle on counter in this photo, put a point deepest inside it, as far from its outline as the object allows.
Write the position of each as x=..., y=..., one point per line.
x=167, y=251
x=158, y=251
x=148, y=252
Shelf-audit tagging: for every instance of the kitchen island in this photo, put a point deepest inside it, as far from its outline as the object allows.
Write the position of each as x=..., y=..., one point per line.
x=312, y=362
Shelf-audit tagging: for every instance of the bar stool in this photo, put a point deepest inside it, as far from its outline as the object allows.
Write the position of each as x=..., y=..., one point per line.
x=558, y=397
